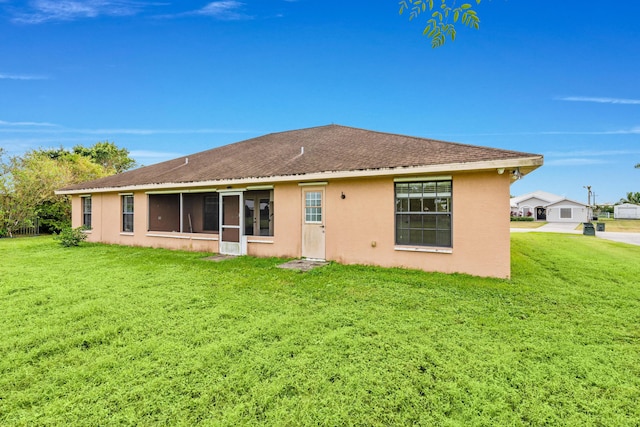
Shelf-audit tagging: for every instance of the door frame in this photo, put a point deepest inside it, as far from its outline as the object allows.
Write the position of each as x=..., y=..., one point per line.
x=228, y=247
x=313, y=228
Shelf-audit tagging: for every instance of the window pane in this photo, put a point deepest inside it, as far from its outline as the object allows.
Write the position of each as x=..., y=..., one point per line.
x=127, y=223
x=430, y=237
x=127, y=204
x=415, y=237
x=265, y=217
x=402, y=205
x=444, y=188
x=415, y=188
x=430, y=222
x=429, y=189
x=415, y=221
x=443, y=238
x=249, y=212
x=415, y=205
x=429, y=205
x=442, y=204
x=444, y=222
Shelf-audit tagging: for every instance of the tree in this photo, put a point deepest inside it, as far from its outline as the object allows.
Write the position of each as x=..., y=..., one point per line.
x=108, y=155
x=441, y=24
x=633, y=198
x=637, y=166
x=28, y=183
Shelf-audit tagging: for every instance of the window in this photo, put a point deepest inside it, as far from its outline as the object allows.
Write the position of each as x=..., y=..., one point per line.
x=566, y=213
x=127, y=213
x=423, y=213
x=258, y=213
x=86, y=211
x=184, y=212
x=313, y=207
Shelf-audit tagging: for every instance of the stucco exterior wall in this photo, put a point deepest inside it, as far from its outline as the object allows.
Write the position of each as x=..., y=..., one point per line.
x=359, y=228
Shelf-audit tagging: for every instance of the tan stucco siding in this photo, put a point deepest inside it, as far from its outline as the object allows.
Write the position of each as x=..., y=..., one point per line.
x=286, y=239
x=106, y=221
x=360, y=228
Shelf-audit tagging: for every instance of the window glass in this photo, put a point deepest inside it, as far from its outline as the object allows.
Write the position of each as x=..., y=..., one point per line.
x=127, y=214
x=313, y=206
x=423, y=213
x=565, y=213
x=86, y=211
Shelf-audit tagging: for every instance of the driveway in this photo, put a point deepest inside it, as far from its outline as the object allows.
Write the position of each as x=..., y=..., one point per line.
x=570, y=228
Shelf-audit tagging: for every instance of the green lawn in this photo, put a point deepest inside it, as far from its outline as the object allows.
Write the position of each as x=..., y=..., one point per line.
x=620, y=225
x=526, y=224
x=108, y=335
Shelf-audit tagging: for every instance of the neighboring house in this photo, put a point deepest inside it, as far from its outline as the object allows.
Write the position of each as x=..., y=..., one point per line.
x=626, y=211
x=332, y=192
x=543, y=206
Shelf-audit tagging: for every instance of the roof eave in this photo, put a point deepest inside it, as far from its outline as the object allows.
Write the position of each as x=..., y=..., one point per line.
x=525, y=165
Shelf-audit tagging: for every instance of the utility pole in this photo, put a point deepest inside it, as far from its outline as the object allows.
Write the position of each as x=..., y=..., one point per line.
x=588, y=187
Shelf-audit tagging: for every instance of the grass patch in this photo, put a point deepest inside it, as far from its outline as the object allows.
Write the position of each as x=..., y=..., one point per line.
x=526, y=224
x=106, y=335
x=621, y=225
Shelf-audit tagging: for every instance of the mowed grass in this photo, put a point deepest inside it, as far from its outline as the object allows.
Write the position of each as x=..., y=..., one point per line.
x=109, y=335
x=621, y=225
x=526, y=224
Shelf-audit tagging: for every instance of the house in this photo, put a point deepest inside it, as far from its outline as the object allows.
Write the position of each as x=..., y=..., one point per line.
x=331, y=192
x=543, y=206
x=626, y=211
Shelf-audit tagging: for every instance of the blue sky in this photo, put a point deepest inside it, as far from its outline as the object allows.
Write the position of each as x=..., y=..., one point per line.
x=169, y=78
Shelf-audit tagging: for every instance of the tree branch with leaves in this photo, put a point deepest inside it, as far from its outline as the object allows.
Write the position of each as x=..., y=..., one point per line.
x=443, y=18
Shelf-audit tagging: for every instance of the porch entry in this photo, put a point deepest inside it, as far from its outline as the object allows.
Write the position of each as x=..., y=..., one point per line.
x=230, y=224
x=313, y=223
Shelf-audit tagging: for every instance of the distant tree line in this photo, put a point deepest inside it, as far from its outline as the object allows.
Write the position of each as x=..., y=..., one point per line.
x=28, y=182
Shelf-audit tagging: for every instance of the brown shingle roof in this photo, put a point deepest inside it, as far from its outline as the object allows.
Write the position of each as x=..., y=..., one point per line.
x=329, y=148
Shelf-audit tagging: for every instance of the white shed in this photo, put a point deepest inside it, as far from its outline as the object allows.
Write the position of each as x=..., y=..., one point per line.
x=626, y=211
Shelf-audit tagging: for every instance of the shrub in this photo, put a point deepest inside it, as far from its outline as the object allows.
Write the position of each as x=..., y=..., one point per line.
x=71, y=236
x=522, y=218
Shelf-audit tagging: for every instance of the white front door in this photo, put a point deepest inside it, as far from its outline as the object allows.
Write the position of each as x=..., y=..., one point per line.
x=231, y=224
x=313, y=223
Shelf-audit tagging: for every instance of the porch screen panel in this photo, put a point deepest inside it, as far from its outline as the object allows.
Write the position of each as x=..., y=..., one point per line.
x=164, y=212
x=200, y=212
x=423, y=213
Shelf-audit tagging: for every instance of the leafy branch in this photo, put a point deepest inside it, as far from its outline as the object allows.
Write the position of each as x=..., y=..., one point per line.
x=442, y=22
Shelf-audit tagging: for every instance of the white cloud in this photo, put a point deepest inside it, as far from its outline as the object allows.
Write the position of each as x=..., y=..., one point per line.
x=21, y=77
x=4, y=123
x=228, y=10
x=600, y=100
x=68, y=10
x=632, y=131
